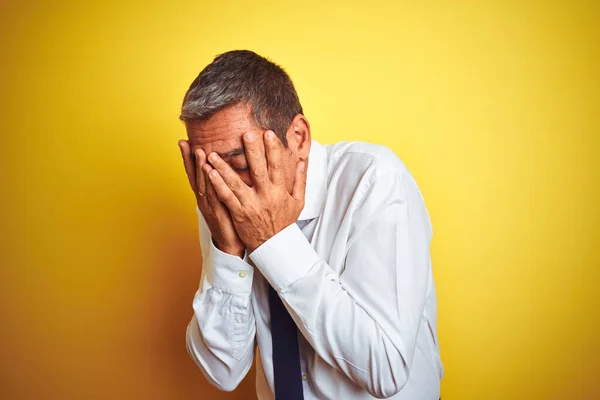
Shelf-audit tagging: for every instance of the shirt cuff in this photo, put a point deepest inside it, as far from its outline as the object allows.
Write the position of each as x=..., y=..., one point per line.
x=285, y=258
x=227, y=272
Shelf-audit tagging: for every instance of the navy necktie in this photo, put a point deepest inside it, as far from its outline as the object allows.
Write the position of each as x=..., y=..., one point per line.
x=286, y=355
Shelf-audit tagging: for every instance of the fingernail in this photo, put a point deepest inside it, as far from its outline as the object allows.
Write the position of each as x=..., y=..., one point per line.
x=249, y=136
x=270, y=135
x=213, y=157
x=213, y=173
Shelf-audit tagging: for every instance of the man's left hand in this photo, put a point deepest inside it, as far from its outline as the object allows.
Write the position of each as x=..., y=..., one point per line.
x=261, y=211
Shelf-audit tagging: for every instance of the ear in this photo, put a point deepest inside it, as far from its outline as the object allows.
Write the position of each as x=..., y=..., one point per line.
x=298, y=136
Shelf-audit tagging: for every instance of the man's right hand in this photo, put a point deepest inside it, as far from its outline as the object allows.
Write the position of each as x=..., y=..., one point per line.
x=215, y=213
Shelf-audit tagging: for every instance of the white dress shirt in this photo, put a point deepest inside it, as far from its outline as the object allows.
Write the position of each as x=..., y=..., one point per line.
x=355, y=275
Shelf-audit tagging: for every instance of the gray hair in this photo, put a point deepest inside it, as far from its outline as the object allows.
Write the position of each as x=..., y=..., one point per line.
x=244, y=77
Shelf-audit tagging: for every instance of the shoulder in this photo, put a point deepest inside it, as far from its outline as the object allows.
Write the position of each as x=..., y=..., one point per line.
x=364, y=173
x=365, y=159
x=371, y=178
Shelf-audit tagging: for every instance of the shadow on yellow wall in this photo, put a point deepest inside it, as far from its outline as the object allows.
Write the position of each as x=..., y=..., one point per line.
x=168, y=308
x=492, y=105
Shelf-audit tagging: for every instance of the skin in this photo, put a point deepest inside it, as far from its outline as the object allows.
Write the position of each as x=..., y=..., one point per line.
x=252, y=185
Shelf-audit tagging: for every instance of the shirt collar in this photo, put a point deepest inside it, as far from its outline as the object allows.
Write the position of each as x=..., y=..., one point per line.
x=316, y=182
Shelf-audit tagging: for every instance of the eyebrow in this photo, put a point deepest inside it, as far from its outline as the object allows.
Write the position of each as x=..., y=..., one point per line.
x=232, y=153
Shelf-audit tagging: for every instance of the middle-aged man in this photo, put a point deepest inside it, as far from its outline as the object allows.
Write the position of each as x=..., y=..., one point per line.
x=317, y=254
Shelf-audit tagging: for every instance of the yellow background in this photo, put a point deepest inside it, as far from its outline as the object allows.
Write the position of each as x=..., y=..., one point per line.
x=492, y=105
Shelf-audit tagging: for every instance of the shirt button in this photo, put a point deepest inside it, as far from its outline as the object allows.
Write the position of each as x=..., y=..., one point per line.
x=304, y=377
x=242, y=274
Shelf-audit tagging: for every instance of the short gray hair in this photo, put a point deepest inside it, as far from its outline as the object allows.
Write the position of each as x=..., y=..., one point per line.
x=244, y=77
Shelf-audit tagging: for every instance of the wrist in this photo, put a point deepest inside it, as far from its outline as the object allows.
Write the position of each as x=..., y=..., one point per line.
x=255, y=242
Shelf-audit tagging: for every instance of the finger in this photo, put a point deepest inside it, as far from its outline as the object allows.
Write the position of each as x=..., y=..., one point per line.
x=200, y=175
x=299, y=189
x=224, y=192
x=211, y=195
x=274, y=158
x=218, y=207
x=228, y=175
x=255, y=155
x=188, y=163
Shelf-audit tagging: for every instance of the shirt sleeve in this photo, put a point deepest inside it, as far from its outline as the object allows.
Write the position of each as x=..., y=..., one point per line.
x=221, y=335
x=364, y=321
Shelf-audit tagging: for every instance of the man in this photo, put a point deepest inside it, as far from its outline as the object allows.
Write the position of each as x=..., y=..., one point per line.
x=317, y=254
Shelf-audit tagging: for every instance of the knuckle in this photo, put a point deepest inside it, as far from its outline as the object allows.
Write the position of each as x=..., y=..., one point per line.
x=259, y=172
x=235, y=184
x=238, y=219
x=277, y=163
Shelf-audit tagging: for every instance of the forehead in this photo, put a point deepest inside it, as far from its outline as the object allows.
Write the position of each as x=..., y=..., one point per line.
x=223, y=131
